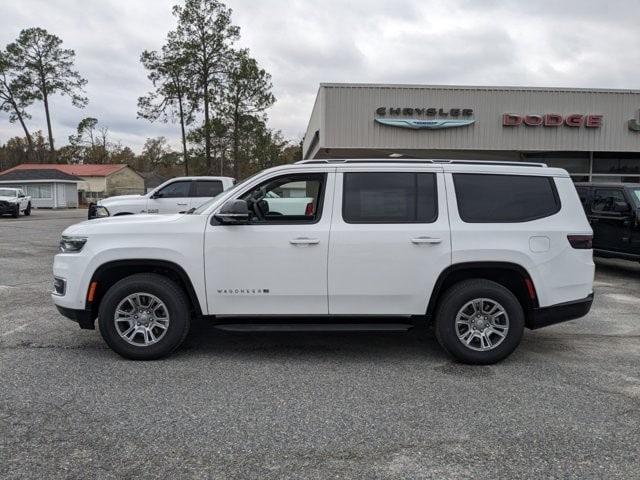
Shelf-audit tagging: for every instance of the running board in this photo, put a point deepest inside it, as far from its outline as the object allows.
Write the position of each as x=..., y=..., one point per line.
x=314, y=327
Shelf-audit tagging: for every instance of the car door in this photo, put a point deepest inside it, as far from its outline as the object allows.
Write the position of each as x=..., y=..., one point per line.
x=171, y=198
x=277, y=263
x=611, y=228
x=390, y=240
x=204, y=190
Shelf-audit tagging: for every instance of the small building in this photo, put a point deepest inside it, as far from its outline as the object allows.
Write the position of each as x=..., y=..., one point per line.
x=96, y=180
x=592, y=133
x=48, y=188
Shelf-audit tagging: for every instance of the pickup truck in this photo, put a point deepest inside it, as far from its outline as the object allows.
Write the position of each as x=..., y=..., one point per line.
x=174, y=196
x=13, y=201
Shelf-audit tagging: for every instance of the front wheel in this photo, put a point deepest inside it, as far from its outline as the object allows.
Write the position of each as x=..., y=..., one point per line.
x=144, y=317
x=16, y=211
x=479, y=322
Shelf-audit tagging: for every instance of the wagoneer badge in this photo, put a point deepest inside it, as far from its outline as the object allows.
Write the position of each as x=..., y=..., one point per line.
x=416, y=124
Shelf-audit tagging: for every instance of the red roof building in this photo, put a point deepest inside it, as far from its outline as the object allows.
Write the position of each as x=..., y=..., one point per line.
x=97, y=180
x=86, y=170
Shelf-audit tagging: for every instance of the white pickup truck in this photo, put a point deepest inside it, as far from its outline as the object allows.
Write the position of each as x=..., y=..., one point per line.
x=174, y=196
x=13, y=201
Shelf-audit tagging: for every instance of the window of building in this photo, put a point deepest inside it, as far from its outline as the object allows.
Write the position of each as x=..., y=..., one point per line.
x=605, y=199
x=207, y=188
x=273, y=201
x=580, y=178
x=572, y=162
x=389, y=197
x=484, y=198
x=623, y=163
x=41, y=191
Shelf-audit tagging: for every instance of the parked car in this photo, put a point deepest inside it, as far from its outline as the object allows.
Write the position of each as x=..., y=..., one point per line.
x=175, y=195
x=613, y=210
x=479, y=249
x=13, y=201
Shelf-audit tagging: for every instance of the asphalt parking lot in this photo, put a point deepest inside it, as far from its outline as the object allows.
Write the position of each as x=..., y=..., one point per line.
x=565, y=405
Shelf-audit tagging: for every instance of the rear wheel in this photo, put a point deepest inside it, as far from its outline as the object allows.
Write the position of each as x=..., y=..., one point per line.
x=144, y=317
x=479, y=322
x=27, y=211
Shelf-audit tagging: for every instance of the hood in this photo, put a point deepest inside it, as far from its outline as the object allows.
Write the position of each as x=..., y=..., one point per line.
x=8, y=199
x=124, y=223
x=119, y=198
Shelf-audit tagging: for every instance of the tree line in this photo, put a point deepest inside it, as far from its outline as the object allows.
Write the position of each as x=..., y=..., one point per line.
x=215, y=93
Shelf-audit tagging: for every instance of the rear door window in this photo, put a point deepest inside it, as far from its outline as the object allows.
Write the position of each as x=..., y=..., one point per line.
x=490, y=198
x=206, y=188
x=583, y=193
x=389, y=197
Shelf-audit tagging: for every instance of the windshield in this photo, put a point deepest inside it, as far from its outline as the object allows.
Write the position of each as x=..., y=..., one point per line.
x=8, y=192
x=636, y=196
x=206, y=205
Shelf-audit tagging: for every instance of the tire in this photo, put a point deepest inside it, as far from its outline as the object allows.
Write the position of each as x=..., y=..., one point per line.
x=27, y=211
x=16, y=212
x=175, y=308
x=458, y=301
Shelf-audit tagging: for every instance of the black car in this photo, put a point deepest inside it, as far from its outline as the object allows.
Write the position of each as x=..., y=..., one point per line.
x=613, y=210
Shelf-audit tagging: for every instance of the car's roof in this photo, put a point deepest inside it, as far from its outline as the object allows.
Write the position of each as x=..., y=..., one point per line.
x=608, y=184
x=459, y=166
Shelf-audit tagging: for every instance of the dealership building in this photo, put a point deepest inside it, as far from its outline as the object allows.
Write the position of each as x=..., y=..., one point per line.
x=592, y=133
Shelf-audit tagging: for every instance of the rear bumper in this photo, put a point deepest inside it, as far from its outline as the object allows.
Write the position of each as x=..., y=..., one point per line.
x=561, y=312
x=84, y=318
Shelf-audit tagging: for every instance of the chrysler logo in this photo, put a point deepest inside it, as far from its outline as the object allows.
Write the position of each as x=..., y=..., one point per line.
x=416, y=124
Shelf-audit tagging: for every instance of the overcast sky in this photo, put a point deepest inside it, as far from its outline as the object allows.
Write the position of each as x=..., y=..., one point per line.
x=580, y=43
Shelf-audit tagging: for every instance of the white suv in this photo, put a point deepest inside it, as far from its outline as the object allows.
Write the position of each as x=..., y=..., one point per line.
x=479, y=249
x=173, y=196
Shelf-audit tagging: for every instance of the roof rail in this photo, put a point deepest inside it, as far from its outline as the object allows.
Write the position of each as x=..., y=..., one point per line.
x=426, y=160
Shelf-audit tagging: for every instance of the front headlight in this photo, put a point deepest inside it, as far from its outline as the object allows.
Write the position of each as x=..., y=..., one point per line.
x=72, y=244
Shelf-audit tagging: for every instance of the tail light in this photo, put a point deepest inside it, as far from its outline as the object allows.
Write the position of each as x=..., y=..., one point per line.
x=308, y=211
x=582, y=242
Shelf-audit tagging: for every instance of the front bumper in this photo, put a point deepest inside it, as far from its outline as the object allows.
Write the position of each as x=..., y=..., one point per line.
x=561, y=312
x=84, y=318
x=7, y=207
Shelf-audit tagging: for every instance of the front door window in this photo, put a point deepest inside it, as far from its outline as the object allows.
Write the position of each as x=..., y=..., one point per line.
x=288, y=199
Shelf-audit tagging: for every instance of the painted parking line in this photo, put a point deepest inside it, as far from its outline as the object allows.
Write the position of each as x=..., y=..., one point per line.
x=17, y=329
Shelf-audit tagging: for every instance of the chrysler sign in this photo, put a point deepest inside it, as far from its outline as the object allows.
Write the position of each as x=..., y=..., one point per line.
x=575, y=120
x=447, y=117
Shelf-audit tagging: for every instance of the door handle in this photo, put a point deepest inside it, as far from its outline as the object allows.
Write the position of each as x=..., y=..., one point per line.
x=182, y=204
x=304, y=241
x=426, y=240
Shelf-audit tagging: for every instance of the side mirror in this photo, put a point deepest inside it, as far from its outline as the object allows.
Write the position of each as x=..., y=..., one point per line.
x=233, y=212
x=156, y=195
x=621, y=207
